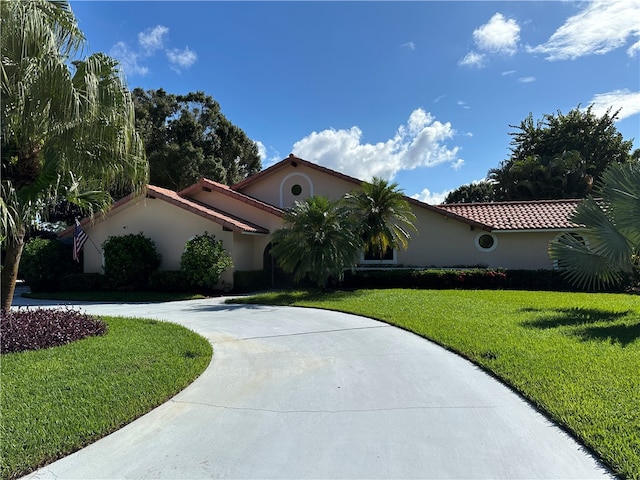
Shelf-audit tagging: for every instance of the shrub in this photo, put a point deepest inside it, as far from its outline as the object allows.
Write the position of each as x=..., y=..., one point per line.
x=474, y=278
x=204, y=260
x=169, y=281
x=129, y=260
x=82, y=282
x=43, y=328
x=43, y=263
x=251, y=280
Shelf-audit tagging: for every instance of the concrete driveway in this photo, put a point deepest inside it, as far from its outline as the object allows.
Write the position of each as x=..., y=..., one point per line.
x=304, y=393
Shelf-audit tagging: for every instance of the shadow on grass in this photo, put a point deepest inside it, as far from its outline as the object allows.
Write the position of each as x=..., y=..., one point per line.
x=585, y=321
x=292, y=297
x=622, y=334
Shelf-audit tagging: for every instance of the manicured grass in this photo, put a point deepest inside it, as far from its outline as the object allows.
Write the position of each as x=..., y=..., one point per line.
x=119, y=297
x=60, y=399
x=575, y=356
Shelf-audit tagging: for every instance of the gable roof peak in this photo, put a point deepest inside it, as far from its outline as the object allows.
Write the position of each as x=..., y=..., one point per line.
x=292, y=161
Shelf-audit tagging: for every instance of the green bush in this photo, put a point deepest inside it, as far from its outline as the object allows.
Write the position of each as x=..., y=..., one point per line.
x=251, y=280
x=204, y=260
x=129, y=261
x=44, y=262
x=169, y=281
x=473, y=278
x=82, y=282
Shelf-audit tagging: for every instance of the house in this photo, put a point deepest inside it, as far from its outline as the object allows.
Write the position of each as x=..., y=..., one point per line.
x=512, y=235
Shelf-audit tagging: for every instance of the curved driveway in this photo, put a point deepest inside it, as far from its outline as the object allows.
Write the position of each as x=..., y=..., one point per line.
x=304, y=393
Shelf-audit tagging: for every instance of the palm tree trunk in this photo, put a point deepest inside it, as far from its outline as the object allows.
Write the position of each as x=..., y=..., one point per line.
x=14, y=246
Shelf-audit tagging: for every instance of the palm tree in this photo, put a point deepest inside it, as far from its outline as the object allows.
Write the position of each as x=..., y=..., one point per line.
x=611, y=244
x=67, y=125
x=384, y=215
x=317, y=241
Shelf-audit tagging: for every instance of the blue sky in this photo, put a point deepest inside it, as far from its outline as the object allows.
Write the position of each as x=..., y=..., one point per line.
x=421, y=93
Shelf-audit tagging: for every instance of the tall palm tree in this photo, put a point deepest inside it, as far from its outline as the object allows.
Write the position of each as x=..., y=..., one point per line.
x=317, y=241
x=384, y=215
x=67, y=124
x=611, y=244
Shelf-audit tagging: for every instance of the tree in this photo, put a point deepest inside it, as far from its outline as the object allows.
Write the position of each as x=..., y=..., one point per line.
x=67, y=125
x=317, y=242
x=478, y=192
x=384, y=215
x=607, y=249
x=559, y=156
x=187, y=137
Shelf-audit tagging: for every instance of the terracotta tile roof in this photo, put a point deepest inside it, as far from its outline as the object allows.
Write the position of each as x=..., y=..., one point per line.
x=532, y=215
x=290, y=160
x=218, y=216
x=204, y=184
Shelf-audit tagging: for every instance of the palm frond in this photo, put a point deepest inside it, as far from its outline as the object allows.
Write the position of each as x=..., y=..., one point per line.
x=612, y=231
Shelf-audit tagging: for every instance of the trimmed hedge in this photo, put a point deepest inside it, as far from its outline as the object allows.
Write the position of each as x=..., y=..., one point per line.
x=172, y=281
x=476, y=278
x=82, y=282
x=251, y=281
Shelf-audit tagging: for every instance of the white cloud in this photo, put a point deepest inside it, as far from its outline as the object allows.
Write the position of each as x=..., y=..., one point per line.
x=128, y=59
x=626, y=100
x=432, y=198
x=418, y=143
x=473, y=59
x=633, y=49
x=498, y=35
x=152, y=39
x=527, y=79
x=602, y=26
x=182, y=58
x=409, y=45
x=457, y=165
x=508, y=72
x=268, y=155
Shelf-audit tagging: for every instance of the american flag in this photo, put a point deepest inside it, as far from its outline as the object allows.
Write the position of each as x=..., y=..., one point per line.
x=79, y=237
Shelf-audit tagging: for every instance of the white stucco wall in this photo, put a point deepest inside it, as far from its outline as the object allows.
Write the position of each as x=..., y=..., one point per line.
x=167, y=225
x=445, y=242
x=275, y=189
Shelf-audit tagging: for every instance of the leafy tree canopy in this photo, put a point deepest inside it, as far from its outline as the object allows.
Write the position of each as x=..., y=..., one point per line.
x=478, y=192
x=559, y=156
x=187, y=137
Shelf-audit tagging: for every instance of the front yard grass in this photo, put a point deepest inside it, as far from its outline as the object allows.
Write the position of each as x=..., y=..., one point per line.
x=58, y=400
x=575, y=356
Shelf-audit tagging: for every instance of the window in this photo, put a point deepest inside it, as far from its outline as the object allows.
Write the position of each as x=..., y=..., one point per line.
x=390, y=257
x=486, y=242
x=296, y=189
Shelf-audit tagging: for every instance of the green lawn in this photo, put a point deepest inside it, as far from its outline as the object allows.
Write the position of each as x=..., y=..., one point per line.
x=576, y=356
x=58, y=400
